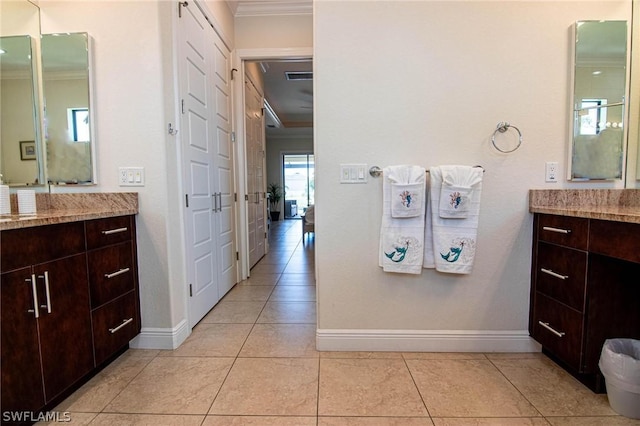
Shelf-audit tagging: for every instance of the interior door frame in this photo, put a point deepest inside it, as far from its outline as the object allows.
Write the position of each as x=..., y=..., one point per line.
x=239, y=58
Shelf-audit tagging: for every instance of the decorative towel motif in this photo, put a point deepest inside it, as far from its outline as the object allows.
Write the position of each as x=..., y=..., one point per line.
x=458, y=184
x=450, y=241
x=402, y=236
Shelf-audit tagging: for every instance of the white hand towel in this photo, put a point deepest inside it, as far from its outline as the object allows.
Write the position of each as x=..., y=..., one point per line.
x=450, y=243
x=456, y=192
x=402, y=238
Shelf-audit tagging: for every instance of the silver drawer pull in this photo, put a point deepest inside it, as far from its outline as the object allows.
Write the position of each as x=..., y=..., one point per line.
x=114, y=231
x=35, y=309
x=554, y=274
x=558, y=230
x=124, y=322
x=115, y=274
x=548, y=327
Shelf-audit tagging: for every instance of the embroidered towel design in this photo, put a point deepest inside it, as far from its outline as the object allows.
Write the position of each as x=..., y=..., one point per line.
x=407, y=199
x=450, y=243
x=402, y=238
x=458, y=184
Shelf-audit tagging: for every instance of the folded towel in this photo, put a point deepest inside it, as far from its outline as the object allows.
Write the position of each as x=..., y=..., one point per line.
x=402, y=238
x=458, y=184
x=450, y=243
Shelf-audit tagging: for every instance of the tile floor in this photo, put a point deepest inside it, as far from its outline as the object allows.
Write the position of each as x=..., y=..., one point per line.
x=252, y=361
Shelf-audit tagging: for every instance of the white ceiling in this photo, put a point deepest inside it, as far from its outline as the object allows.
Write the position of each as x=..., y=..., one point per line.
x=270, y=7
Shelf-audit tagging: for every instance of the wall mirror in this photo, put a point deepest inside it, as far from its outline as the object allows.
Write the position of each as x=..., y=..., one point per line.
x=599, y=101
x=69, y=136
x=20, y=131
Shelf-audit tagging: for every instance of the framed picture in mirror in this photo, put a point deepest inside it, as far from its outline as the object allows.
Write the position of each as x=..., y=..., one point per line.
x=27, y=150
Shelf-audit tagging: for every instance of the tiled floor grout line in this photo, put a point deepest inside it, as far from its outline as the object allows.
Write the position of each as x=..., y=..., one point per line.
x=413, y=380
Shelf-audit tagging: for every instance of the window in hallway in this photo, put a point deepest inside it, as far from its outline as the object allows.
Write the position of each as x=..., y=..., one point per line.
x=299, y=183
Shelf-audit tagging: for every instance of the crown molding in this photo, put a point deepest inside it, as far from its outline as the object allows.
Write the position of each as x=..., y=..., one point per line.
x=244, y=8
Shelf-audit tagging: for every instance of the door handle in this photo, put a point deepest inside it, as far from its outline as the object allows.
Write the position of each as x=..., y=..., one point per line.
x=34, y=289
x=46, y=291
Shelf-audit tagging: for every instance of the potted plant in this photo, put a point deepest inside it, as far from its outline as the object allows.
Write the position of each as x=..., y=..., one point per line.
x=275, y=195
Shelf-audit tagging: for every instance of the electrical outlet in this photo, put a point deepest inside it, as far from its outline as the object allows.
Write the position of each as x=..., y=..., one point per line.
x=551, y=171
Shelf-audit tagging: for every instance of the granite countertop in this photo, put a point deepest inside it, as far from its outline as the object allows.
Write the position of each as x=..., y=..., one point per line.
x=619, y=205
x=61, y=208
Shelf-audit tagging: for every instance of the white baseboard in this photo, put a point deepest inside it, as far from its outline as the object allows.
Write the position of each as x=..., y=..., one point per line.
x=426, y=340
x=161, y=338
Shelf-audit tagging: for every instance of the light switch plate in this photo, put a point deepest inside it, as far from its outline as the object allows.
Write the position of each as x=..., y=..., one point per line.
x=353, y=173
x=131, y=176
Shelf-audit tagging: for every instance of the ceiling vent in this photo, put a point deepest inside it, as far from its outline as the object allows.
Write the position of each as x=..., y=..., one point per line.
x=299, y=75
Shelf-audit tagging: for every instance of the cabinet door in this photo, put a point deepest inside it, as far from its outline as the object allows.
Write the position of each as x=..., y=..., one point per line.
x=65, y=322
x=21, y=378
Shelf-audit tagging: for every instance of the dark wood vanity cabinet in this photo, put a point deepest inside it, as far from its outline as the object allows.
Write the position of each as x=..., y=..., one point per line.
x=585, y=289
x=50, y=298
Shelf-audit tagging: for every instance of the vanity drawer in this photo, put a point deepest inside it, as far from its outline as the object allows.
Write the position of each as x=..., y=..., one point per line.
x=112, y=230
x=564, y=230
x=110, y=273
x=616, y=239
x=114, y=325
x=29, y=246
x=561, y=274
x=558, y=329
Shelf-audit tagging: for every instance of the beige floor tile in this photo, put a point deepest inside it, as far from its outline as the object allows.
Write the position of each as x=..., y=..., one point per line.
x=374, y=421
x=229, y=312
x=266, y=268
x=68, y=418
x=515, y=355
x=367, y=387
x=593, y=421
x=552, y=390
x=106, y=419
x=269, y=386
x=511, y=421
x=299, y=268
x=289, y=312
x=94, y=395
x=467, y=388
x=173, y=385
x=281, y=340
x=218, y=340
x=443, y=355
x=256, y=293
x=297, y=279
x=361, y=355
x=292, y=293
x=261, y=279
x=259, y=421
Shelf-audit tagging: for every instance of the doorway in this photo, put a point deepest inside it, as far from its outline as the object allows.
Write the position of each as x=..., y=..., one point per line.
x=298, y=171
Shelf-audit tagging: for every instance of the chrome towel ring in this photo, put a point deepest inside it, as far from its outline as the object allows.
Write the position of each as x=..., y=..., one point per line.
x=502, y=127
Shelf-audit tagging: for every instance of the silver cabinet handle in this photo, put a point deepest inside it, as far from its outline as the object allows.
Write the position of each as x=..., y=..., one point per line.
x=114, y=231
x=115, y=274
x=554, y=274
x=548, y=327
x=124, y=322
x=558, y=230
x=46, y=291
x=215, y=204
x=35, y=309
x=219, y=201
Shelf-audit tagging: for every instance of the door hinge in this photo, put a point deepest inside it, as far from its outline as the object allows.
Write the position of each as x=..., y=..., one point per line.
x=265, y=235
x=235, y=197
x=182, y=105
x=186, y=197
x=233, y=136
x=237, y=255
x=246, y=197
x=190, y=290
x=262, y=111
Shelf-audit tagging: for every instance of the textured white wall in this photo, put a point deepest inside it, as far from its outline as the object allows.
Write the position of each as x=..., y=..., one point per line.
x=426, y=83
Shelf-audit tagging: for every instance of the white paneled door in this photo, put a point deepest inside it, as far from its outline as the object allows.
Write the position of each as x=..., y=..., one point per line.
x=255, y=149
x=207, y=163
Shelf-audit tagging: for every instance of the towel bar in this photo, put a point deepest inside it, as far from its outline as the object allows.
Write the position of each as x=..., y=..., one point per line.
x=376, y=171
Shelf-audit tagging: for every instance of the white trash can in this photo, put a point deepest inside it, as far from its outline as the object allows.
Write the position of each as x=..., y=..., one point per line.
x=620, y=365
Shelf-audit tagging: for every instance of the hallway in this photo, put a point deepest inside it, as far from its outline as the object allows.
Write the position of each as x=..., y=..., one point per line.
x=252, y=361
